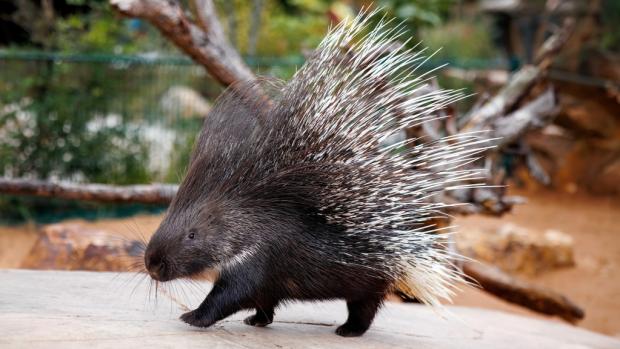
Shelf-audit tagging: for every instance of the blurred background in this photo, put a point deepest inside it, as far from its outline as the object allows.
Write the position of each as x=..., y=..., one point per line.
x=88, y=95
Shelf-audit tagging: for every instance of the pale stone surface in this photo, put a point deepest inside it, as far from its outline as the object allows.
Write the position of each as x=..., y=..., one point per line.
x=51, y=309
x=517, y=249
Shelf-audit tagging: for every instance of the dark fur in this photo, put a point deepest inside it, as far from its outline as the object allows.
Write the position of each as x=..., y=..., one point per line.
x=245, y=191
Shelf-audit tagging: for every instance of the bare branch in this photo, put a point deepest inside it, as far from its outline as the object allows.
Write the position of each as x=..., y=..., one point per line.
x=205, y=44
x=146, y=194
x=204, y=11
x=554, y=44
x=520, y=85
x=534, y=114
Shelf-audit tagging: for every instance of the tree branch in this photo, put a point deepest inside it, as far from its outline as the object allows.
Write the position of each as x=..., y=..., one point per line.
x=520, y=85
x=534, y=114
x=146, y=194
x=205, y=44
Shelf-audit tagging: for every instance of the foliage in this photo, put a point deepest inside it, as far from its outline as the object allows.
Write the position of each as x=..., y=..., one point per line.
x=44, y=137
x=283, y=30
x=460, y=40
x=611, y=25
x=417, y=14
x=90, y=122
x=186, y=133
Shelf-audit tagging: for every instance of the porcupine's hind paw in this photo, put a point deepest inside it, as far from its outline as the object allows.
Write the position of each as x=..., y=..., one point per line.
x=263, y=317
x=350, y=330
x=195, y=318
x=256, y=320
x=361, y=314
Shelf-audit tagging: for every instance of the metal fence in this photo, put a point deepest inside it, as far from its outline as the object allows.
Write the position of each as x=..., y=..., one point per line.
x=54, y=106
x=101, y=118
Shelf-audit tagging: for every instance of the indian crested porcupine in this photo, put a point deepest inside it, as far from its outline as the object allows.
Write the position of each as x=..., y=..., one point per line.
x=293, y=194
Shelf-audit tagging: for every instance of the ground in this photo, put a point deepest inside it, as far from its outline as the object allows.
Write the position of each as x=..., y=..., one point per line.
x=591, y=221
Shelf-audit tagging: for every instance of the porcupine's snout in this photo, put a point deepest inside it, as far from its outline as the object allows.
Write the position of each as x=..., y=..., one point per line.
x=156, y=265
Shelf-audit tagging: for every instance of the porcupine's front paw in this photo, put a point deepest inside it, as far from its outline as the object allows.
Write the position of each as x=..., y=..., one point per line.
x=195, y=318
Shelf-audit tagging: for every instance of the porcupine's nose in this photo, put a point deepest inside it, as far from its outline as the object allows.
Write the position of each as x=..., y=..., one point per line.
x=156, y=267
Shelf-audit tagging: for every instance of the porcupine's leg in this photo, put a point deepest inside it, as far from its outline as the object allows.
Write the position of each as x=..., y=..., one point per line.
x=226, y=298
x=263, y=317
x=361, y=314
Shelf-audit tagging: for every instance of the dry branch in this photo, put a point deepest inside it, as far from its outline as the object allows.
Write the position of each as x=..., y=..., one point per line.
x=554, y=44
x=506, y=98
x=506, y=287
x=146, y=194
x=507, y=119
x=204, y=43
x=534, y=114
x=485, y=201
x=520, y=85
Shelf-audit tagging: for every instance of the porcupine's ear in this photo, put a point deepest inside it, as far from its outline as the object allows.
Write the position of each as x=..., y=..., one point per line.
x=237, y=113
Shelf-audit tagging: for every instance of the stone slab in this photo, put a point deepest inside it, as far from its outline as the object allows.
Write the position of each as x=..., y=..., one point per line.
x=56, y=309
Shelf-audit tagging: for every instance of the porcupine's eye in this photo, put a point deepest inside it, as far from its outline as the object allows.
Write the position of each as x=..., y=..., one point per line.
x=191, y=235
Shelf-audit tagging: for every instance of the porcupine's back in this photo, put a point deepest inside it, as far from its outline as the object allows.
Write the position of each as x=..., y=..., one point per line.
x=313, y=150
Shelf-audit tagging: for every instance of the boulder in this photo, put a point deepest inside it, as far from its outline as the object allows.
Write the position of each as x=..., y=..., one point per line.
x=518, y=250
x=185, y=102
x=74, y=247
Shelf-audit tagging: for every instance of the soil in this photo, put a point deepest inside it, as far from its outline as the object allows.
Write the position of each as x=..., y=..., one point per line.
x=592, y=222
x=594, y=283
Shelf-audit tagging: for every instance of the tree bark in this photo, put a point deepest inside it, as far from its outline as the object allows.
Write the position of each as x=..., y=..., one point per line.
x=205, y=44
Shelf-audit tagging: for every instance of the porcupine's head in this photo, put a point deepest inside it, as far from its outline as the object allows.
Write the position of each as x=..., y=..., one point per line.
x=197, y=236
x=209, y=224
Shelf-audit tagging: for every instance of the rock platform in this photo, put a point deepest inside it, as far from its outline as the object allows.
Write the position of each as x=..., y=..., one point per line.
x=59, y=309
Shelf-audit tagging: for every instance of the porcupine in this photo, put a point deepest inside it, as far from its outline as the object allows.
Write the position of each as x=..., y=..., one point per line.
x=292, y=194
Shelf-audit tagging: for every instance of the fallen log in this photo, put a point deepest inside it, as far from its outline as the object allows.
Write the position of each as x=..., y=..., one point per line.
x=493, y=280
x=484, y=201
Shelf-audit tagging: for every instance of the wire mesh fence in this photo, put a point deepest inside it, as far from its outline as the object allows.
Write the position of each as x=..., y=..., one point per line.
x=101, y=118
x=98, y=119
x=104, y=118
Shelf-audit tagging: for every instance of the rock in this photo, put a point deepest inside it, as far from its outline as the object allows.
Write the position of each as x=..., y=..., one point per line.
x=518, y=250
x=74, y=247
x=185, y=102
x=55, y=309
